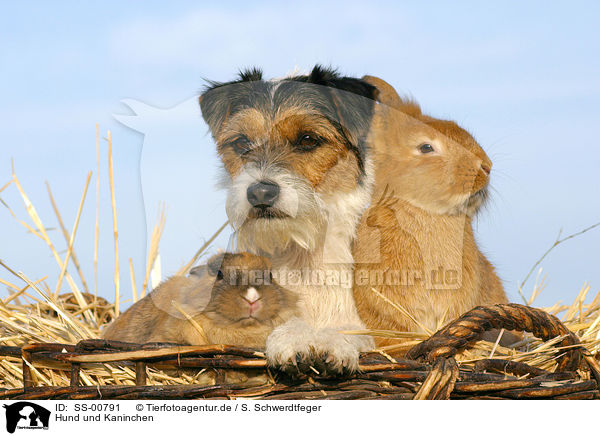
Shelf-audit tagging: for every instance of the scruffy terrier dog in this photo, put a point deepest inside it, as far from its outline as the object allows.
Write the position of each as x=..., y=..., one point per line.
x=299, y=175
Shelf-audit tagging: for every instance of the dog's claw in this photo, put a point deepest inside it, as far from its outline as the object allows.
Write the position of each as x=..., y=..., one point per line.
x=304, y=363
x=320, y=365
x=299, y=351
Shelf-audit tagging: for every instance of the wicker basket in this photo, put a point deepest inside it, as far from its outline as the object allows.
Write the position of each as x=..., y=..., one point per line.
x=429, y=370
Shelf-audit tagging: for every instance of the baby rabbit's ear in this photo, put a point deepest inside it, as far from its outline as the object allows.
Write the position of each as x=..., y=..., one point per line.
x=198, y=271
x=214, y=263
x=386, y=93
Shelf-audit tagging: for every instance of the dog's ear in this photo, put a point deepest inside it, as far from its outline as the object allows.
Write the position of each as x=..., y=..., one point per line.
x=216, y=102
x=353, y=100
x=215, y=106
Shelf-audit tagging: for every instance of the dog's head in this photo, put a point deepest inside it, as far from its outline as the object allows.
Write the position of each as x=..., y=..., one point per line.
x=294, y=151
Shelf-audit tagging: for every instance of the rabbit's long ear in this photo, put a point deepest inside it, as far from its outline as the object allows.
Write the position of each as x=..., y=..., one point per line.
x=386, y=93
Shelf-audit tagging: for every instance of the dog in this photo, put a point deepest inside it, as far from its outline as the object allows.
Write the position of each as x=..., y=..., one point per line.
x=299, y=174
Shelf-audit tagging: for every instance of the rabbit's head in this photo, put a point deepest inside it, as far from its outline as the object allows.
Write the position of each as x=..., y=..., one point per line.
x=244, y=293
x=436, y=165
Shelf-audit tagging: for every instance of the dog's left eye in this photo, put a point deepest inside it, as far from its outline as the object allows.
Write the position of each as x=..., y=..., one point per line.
x=306, y=141
x=241, y=145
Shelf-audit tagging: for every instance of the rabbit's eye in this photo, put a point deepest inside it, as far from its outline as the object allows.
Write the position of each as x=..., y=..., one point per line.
x=220, y=275
x=426, y=148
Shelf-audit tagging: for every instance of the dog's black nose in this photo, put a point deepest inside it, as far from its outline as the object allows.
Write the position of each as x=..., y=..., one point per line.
x=262, y=194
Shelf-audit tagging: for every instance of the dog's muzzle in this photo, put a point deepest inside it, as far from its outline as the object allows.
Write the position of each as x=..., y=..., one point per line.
x=263, y=194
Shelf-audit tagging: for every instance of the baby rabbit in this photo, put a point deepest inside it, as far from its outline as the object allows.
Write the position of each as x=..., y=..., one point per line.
x=150, y=318
x=243, y=308
x=415, y=244
x=245, y=304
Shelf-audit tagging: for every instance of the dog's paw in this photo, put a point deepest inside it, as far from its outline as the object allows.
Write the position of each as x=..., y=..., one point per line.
x=289, y=347
x=336, y=354
x=297, y=349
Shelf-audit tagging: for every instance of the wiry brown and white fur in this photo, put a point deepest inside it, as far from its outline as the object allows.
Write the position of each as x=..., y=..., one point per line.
x=415, y=244
x=306, y=135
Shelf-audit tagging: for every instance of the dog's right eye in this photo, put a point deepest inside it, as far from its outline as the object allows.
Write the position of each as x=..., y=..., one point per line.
x=241, y=145
x=307, y=141
x=220, y=275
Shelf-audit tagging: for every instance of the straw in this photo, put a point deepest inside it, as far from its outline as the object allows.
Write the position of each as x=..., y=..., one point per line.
x=67, y=237
x=402, y=310
x=186, y=268
x=111, y=179
x=97, y=226
x=73, y=233
x=133, y=286
x=154, y=243
x=40, y=227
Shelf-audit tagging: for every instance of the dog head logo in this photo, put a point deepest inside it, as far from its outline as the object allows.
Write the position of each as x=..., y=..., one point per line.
x=26, y=415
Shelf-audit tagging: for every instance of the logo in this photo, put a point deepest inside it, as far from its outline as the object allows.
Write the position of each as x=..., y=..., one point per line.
x=26, y=415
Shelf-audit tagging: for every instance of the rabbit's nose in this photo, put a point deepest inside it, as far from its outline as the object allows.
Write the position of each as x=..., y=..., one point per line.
x=486, y=167
x=252, y=295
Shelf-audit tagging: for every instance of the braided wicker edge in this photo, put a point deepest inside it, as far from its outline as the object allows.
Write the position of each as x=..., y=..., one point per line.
x=429, y=372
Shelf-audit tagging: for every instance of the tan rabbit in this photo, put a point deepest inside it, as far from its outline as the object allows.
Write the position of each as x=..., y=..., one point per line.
x=151, y=318
x=415, y=244
x=243, y=308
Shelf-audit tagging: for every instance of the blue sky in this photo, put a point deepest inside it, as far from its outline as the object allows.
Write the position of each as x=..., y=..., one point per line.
x=523, y=78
